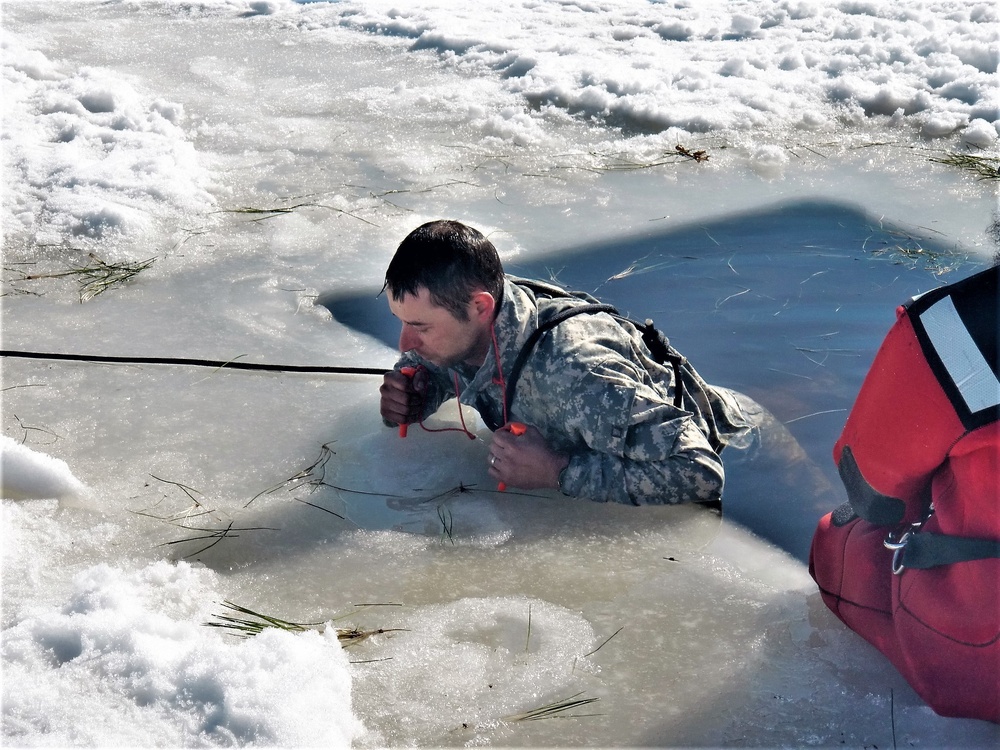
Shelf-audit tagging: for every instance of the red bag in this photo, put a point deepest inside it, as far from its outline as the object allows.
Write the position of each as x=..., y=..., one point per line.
x=912, y=561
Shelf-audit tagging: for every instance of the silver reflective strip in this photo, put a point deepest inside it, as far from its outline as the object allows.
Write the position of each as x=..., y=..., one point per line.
x=966, y=365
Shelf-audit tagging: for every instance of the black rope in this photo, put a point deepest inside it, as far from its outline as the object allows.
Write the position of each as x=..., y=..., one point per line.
x=230, y=365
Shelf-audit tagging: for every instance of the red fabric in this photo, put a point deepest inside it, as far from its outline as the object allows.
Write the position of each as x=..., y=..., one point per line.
x=849, y=564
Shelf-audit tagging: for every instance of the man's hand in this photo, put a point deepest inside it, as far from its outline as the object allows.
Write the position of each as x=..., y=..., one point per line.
x=402, y=396
x=526, y=460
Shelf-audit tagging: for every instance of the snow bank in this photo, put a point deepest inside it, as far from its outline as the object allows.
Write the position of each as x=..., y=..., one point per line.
x=716, y=66
x=87, y=155
x=127, y=658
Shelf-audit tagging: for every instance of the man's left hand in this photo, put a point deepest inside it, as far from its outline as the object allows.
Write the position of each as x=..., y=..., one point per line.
x=526, y=460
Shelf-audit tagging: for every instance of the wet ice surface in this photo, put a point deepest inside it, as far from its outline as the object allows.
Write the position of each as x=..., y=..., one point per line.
x=775, y=270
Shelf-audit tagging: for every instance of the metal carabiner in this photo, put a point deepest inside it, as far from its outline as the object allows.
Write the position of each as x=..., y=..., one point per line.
x=898, y=545
x=897, y=559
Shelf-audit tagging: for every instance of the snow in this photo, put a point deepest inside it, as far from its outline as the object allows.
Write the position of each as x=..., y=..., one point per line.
x=137, y=497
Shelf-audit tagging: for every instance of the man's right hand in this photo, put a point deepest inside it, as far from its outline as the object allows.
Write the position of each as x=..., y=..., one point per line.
x=402, y=396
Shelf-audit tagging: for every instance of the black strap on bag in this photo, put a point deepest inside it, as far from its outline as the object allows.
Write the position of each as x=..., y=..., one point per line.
x=865, y=501
x=929, y=550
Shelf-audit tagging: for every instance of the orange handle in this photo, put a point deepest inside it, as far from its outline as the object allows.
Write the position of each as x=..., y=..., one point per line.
x=518, y=428
x=408, y=372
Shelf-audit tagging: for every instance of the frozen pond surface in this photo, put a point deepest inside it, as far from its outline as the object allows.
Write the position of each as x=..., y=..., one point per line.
x=775, y=266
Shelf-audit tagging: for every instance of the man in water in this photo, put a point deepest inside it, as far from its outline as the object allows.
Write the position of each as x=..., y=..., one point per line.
x=604, y=419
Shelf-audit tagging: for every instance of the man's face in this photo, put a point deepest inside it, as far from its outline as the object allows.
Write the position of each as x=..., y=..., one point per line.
x=436, y=334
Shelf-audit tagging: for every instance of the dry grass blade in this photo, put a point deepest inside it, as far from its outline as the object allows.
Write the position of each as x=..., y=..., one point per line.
x=353, y=636
x=189, y=491
x=605, y=642
x=643, y=265
x=555, y=710
x=913, y=256
x=447, y=522
x=183, y=517
x=28, y=428
x=699, y=155
x=262, y=214
x=266, y=213
x=903, y=248
x=217, y=534
x=527, y=638
x=314, y=476
x=680, y=153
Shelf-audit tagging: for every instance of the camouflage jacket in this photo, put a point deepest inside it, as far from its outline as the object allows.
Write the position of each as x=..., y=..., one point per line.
x=594, y=392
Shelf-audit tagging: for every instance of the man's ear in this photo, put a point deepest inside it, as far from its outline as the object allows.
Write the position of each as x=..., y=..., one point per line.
x=483, y=306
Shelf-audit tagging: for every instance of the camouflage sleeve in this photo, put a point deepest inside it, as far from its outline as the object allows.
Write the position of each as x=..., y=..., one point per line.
x=635, y=447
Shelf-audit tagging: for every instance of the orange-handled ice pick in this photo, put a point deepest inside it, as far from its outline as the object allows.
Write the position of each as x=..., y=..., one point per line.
x=518, y=428
x=408, y=372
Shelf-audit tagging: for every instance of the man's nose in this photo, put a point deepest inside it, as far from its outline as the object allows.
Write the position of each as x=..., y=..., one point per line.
x=408, y=339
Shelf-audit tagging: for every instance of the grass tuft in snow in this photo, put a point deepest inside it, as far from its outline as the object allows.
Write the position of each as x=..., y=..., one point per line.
x=252, y=623
x=96, y=276
x=984, y=167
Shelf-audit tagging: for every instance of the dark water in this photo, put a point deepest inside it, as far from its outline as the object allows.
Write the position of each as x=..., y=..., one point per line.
x=787, y=305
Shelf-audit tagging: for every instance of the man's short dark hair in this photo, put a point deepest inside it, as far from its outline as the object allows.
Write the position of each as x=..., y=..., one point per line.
x=451, y=260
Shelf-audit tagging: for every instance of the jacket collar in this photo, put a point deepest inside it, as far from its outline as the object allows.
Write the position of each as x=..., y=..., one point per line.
x=517, y=318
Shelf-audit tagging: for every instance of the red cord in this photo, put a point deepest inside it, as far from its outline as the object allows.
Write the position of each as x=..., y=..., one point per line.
x=461, y=417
